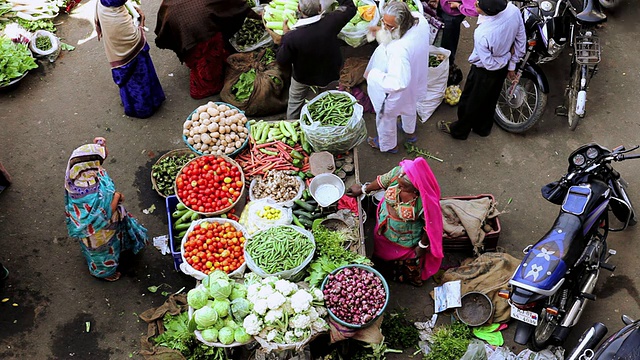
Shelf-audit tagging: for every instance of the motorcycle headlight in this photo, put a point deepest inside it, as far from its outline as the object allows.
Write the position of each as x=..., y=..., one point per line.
x=553, y=48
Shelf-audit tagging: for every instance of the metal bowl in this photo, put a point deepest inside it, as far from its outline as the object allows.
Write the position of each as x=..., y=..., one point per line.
x=476, y=309
x=328, y=179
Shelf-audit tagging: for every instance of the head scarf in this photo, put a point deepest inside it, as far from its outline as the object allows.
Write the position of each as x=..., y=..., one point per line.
x=83, y=169
x=422, y=178
x=88, y=192
x=492, y=7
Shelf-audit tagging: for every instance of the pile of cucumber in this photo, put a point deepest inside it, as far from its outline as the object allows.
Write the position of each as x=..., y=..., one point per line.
x=182, y=219
x=306, y=210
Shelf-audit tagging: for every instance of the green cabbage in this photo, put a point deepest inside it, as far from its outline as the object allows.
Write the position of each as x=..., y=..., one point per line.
x=228, y=322
x=215, y=275
x=240, y=308
x=219, y=324
x=205, y=317
x=197, y=298
x=238, y=291
x=226, y=335
x=221, y=307
x=210, y=335
x=241, y=336
x=220, y=289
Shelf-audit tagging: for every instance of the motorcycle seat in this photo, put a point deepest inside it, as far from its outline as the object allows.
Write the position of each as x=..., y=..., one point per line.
x=546, y=262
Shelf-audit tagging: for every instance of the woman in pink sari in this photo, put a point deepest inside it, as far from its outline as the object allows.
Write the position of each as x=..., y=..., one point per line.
x=408, y=229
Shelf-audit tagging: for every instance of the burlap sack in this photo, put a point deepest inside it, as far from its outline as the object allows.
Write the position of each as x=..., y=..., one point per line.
x=352, y=73
x=270, y=88
x=174, y=305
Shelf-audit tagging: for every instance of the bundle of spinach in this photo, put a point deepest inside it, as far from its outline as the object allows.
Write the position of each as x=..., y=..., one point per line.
x=449, y=342
x=268, y=57
x=178, y=336
x=330, y=254
x=398, y=331
x=243, y=88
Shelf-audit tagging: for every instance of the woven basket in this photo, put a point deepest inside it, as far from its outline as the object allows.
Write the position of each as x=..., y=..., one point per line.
x=226, y=209
x=170, y=153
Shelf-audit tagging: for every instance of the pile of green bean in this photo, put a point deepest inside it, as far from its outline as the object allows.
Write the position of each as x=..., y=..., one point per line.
x=332, y=109
x=279, y=248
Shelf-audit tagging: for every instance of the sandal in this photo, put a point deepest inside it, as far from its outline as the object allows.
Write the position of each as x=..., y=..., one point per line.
x=374, y=143
x=444, y=126
x=113, y=277
x=411, y=139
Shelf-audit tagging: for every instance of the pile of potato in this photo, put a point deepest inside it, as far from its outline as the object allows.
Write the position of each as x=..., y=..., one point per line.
x=216, y=129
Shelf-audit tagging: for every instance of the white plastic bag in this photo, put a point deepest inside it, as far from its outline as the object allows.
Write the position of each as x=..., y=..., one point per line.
x=199, y=275
x=52, y=52
x=265, y=40
x=475, y=351
x=335, y=139
x=287, y=274
x=436, y=85
x=356, y=36
x=284, y=203
x=255, y=222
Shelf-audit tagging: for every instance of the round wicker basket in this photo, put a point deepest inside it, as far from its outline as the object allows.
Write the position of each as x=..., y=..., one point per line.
x=171, y=153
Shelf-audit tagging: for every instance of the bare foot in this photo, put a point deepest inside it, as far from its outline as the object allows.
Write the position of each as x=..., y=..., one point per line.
x=113, y=277
x=100, y=140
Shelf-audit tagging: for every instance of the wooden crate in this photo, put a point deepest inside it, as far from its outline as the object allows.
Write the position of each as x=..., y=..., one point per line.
x=463, y=243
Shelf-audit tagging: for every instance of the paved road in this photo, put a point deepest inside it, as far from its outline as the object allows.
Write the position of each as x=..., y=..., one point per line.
x=65, y=104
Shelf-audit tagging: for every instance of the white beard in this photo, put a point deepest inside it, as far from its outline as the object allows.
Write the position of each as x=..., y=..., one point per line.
x=384, y=36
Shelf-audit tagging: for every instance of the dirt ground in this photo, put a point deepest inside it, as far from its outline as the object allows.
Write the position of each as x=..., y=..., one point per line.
x=59, y=106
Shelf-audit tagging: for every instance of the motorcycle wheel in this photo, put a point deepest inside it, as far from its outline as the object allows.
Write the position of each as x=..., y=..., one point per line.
x=543, y=333
x=572, y=96
x=518, y=113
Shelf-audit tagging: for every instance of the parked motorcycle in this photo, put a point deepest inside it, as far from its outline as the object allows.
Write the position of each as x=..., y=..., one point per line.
x=624, y=344
x=550, y=26
x=558, y=274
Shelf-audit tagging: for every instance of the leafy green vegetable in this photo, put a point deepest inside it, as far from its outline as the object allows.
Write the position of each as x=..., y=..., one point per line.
x=330, y=255
x=15, y=60
x=449, y=342
x=43, y=24
x=268, y=57
x=398, y=331
x=243, y=88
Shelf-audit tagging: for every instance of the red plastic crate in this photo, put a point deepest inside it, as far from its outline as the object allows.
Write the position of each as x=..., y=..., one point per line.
x=463, y=243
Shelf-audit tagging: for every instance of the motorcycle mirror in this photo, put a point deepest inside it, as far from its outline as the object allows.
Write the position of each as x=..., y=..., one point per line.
x=627, y=320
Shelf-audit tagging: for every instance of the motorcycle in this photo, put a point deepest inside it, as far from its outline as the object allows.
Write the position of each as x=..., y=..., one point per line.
x=624, y=344
x=549, y=289
x=550, y=26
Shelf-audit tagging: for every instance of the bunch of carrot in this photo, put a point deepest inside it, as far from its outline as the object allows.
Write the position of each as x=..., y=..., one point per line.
x=258, y=159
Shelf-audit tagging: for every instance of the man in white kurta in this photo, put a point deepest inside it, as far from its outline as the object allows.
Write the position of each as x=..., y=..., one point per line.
x=397, y=73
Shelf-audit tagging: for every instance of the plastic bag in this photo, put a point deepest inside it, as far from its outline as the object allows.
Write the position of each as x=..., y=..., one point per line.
x=254, y=222
x=335, y=139
x=199, y=275
x=287, y=274
x=284, y=203
x=52, y=53
x=356, y=35
x=475, y=351
x=265, y=40
x=436, y=85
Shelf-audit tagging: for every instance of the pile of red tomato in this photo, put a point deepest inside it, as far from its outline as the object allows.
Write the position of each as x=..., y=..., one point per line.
x=209, y=184
x=213, y=245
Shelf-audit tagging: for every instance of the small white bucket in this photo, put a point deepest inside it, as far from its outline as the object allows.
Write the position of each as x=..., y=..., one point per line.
x=326, y=189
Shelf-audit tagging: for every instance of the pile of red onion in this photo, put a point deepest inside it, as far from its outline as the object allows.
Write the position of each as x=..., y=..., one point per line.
x=354, y=295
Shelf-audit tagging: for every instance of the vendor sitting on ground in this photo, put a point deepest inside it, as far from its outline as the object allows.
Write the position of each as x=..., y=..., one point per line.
x=198, y=31
x=95, y=215
x=408, y=229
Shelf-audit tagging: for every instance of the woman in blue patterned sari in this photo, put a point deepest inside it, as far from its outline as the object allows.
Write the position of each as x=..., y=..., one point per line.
x=94, y=213
x=128, y=54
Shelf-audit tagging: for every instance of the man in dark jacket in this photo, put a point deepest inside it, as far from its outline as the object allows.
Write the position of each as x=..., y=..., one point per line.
x=313, y=49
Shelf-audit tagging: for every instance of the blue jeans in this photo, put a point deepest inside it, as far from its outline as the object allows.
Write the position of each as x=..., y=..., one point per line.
x=450, y=33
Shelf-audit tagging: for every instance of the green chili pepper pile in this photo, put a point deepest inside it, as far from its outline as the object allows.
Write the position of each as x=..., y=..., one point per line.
x=243, y=88
x=165, y=171
x=43, y=43
x=279, y=248
x=331, y=110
